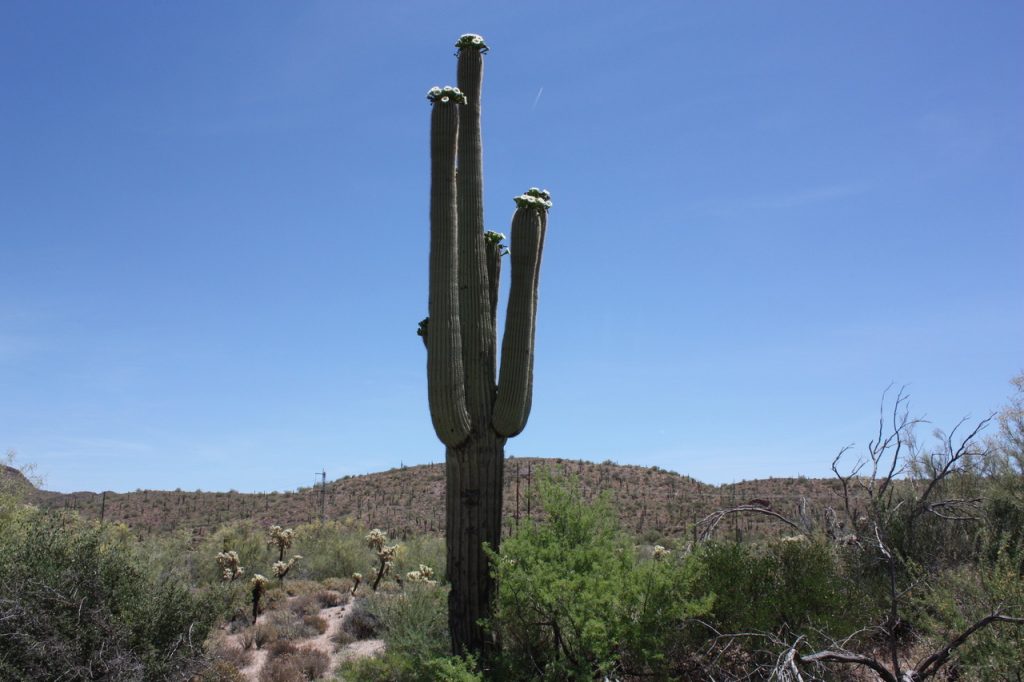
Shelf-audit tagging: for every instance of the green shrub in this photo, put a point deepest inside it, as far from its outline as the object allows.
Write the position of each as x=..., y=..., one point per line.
x=962, y=597
x=394, y=667
x=782, y=587
x=576, y=602
x=80, y=601
x=330, y=549
x=414, y=621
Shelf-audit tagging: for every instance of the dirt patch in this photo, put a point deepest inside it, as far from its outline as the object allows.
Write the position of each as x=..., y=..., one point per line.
x=334, y=616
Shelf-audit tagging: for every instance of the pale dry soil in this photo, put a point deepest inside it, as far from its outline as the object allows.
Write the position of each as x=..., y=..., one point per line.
x=334, y=616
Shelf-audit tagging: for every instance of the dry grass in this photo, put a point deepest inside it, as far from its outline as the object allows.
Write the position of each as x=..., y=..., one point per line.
x=221, y=671
x=360, y=623
x=298, y=665
x=329, y=598
x=221, y=648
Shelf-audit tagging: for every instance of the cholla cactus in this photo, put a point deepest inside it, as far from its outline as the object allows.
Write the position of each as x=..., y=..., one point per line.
x=424, y=575
x=259, y=586
x=377, y=540
x=661, y=553
x=281, y=568
x=229, y=565
x=356, y=579
x=282, y=538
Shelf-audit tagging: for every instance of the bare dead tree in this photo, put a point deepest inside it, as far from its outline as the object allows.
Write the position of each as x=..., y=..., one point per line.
x=875, y=496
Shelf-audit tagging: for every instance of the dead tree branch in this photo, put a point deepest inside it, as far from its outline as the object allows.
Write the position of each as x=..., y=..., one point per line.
x=710, y=522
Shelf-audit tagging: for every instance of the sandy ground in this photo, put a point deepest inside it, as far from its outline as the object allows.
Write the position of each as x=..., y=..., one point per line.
x=334, y=616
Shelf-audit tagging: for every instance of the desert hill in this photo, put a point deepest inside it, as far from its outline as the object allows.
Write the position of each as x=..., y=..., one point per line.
x=651, y=501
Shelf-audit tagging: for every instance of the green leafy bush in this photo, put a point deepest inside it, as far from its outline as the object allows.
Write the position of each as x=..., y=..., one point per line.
x=79, y=601
x=965, y=595
x=782, y=587
x=414, y=621
x=395, y=667
x=576, y=602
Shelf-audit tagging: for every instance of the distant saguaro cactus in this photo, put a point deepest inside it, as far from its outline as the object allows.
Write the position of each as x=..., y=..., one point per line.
x=472, y=414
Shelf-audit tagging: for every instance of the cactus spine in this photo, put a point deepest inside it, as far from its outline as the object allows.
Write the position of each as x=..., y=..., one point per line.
x=472, y=414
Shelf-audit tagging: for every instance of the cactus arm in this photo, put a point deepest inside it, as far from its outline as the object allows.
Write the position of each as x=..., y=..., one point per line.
x=494, y=252
x=514, y=382
x=476, y=318
x=536, y=292
x=445, y=388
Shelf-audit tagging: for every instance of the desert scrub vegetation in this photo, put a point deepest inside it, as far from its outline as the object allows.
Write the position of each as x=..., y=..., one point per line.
x=413, y=623
x=577, y=601
x=79, y=601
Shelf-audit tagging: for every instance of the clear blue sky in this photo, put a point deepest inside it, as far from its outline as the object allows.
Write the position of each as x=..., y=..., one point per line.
x=213, y=229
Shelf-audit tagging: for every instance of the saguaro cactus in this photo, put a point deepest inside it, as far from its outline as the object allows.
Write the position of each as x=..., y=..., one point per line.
x=474, y=415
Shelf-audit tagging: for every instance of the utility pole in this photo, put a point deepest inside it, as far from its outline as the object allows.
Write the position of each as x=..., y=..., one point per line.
x=103, y=506
x=323, y=493
x=529, y=490
x=517, y=495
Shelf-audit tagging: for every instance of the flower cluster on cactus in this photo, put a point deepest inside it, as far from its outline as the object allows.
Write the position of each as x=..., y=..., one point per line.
x=472, y=41
x=424, y=575
x=539, y=198
x=229, y=565
x=492, y=238
x=661, y=553
x=446, y=94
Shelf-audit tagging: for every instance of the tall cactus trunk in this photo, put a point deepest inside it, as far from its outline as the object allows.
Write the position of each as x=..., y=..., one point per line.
x=473, y=509
x=472, y=414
